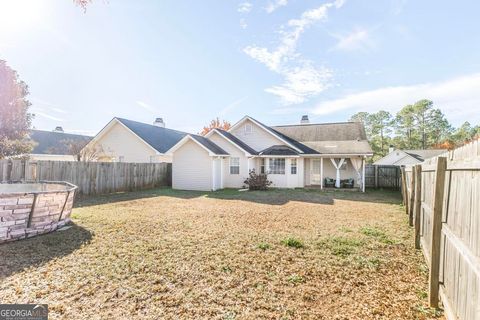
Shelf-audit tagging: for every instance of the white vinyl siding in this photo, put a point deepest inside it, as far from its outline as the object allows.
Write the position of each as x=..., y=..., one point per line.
x=119, y=141
x=259, y=139
x=192, y=168
x=232, y=180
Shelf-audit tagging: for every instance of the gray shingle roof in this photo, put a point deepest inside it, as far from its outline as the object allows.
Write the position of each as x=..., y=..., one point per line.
x=210, y=145
x=49, y=142
x=237, y=141
x=279, y=150
x=329, y=138
x=425, y=154
x=161, y=139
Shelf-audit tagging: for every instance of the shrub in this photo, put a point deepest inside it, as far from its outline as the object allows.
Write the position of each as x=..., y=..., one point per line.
x=257, y=181
x=293, y=243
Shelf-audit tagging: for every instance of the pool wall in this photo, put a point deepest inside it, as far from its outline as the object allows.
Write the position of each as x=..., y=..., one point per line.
x=31, y=213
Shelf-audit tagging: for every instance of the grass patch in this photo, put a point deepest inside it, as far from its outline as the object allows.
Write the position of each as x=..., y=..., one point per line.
x=341, y=246
x=367, y=262
x=263, y=246
x=296, y=279
x=378, y=234
x=293, y=243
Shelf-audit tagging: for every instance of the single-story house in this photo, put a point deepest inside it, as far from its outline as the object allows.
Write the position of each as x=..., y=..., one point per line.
x=293, y=156
x=56, y=145
x=408, y=157
x=123, y=140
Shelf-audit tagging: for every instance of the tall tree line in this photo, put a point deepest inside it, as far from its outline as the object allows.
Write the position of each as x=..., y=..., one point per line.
x=415, y=126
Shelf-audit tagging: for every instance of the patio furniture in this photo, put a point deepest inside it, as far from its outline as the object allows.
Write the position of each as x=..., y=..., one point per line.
x=329, y=183
x=347, y=183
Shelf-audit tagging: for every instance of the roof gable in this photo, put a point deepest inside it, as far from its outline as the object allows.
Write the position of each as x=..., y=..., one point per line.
x=234, y=140
x=209, y=146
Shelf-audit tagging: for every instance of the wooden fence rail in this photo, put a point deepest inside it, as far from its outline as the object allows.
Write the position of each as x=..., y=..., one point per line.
x=442, y=199
x=92, y=178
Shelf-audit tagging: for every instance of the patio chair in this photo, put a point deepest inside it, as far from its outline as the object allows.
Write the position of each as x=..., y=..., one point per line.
x=347, y=183
x=329, y=183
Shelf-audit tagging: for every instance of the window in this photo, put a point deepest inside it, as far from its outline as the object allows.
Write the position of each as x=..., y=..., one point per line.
x=262, y=165
x=276, y=165
x=248, y=128
x=293, y=166
x=152, y=159
x=234, y=165
x=121, y=159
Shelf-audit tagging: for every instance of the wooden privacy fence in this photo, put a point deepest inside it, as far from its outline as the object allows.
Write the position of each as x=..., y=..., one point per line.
x=382, y=176
x=442, y=199
x=91, y=177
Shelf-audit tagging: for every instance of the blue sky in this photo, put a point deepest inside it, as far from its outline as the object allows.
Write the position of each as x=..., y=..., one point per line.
x=190, y=61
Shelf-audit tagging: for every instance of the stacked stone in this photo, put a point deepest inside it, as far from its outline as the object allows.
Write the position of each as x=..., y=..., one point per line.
x=23, y=216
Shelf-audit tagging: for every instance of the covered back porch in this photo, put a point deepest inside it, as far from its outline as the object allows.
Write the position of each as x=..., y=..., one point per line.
x=346, y=172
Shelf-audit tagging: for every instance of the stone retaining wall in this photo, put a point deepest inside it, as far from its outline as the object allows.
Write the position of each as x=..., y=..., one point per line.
x=24, y=215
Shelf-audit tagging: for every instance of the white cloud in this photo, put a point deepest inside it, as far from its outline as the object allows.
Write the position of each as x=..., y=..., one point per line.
x=458, y=98
x=243, y=24
x=146, y=106
x=244, y=7
x=358, y=39
x=301, y=78
x=274, y=5
x=46, y=115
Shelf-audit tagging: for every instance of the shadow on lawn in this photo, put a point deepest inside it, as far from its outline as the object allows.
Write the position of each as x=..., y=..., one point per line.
x=19, y=255
x=272, y=196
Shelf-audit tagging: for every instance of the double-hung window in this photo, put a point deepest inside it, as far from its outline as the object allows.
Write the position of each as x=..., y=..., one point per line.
x=276, y=165
x=293, y=166
x=262, y=165
x=234, y=165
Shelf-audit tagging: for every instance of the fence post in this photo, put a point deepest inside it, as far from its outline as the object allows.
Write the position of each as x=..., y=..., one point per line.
x=9, y=170
x=417, y=204
x=412, y=198
x=376, y=176
x=404, y=189
x=434, y=282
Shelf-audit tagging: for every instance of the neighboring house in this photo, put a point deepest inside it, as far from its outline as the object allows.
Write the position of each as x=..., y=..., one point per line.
x=408, y=157
x=55, y=145
x=294, y=156
x=123, y=140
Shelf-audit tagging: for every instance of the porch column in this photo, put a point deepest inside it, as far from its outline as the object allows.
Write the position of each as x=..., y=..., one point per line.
x=337, y=166
x=363, y=176
x=321, y=173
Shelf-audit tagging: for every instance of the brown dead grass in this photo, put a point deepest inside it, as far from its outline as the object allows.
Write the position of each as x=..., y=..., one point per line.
x=185, y=255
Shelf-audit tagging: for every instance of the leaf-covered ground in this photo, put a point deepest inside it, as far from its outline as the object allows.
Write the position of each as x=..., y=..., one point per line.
x=281, y=254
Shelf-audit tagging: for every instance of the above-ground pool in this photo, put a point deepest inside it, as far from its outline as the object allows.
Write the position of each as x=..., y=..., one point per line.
x=29, y=209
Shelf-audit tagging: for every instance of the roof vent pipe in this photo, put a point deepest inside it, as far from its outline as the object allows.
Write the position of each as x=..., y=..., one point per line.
x=304, y=119
x=58, y=129
x=159, y=123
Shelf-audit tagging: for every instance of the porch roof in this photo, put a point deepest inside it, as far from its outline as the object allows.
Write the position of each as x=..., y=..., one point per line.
x=340, y=147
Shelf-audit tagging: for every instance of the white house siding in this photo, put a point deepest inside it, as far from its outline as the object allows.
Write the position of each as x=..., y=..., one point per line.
x=397, y=157
x=52, y=157
x=121, y=142
x=258, y=139
x=231, y=180
x=192, y=168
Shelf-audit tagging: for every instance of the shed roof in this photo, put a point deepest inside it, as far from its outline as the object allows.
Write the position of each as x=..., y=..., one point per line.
x=50, y=142
x=423, y=155
x=161, y=139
